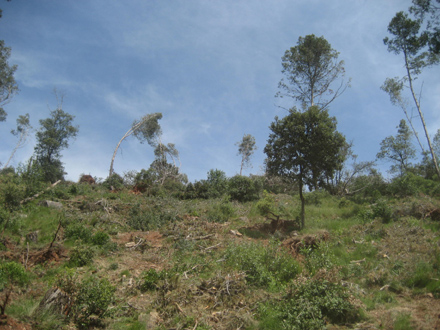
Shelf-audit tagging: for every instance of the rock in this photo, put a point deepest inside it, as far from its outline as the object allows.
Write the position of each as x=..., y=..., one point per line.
x=52, y=204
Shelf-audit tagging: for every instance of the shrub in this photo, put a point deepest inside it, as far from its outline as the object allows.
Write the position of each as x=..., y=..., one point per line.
x=78, y=231
x=244, y=189
x=148, y=219
x=382, y=210
x=92, y=299
x=310, y=305
x=81, y=256
x=114, y=182
x=221, y=211
x=10, y=196
x=150, y=280
x=217, y=183
x=100, y=238
x=12, y=273
x=321, y=257
x=265, y=266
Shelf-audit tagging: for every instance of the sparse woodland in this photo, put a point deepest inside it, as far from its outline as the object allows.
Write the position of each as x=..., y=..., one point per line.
x=319, y=241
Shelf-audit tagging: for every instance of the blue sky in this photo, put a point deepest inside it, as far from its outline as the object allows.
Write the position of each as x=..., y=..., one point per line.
x=210, y=67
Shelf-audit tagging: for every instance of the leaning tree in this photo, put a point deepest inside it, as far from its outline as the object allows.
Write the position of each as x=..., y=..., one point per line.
x=146, y=129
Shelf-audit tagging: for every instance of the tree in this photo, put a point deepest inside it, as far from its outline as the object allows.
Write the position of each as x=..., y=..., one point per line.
x=423, y=8
x=246, y=148
x=408, y=41
x=163, y=169
x=302, y=146
x=398, y=149
x=311, y=68
x=22, y=132
x=8, y=86
x=145, y=129
x=52, y=137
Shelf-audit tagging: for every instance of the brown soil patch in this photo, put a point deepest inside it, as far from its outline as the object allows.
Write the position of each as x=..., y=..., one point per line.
x=424, y=312
x=8, y=323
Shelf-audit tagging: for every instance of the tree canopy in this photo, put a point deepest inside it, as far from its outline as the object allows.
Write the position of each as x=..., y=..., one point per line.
x=408, y=40
x=398, y=149
x=52, y=137
x=246, y=148
x=304, y=147
x=310, y=69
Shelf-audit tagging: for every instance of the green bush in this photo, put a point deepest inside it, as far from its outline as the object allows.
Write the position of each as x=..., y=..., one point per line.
x=100, y=238
x=149, y=219
x=10, y=196
x=244, y=189
x=319, y=258
x=92, y=299
x=265, y=266
x=78, y=231
x=221, y=211
x=81, y=256
x=310, y=305
x=12, y=273
x=150, y=280
x=217, y=183
x=382, y=210
x=114, y=182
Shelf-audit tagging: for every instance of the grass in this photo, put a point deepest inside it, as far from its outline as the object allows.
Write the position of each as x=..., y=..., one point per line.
x=198, y=273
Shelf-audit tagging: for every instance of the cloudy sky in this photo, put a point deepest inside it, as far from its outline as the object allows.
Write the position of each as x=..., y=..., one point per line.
x=211, y=67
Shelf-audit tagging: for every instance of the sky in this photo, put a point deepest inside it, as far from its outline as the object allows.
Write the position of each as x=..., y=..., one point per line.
x=211, y=68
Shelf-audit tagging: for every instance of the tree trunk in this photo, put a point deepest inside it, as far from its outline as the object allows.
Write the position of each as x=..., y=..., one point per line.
x=303, y=201
x=434, y=159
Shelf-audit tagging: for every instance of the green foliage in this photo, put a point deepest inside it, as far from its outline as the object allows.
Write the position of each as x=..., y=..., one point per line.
x=382, y=210
x=310, y=305
x=296, y=151
x=217, y=183
x=246, y=148
x=403, y=322
x=244, y=189
x=52, y=137
x=319, y=258
x=8, y=86
x=93, y=298
x=265, y=266
x=411, y=184
x=398, y=149
x=221, y=211
x=10, y=195
x=12, y=273
x=149, y=218
x=76, y=231
x=424, y=277
x=81, y=256
x=100, y=238
x=114, y=182
x=150, y=279
x=310, y=69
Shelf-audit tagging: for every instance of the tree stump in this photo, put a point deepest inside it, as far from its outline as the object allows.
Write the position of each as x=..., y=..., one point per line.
x=57, y=301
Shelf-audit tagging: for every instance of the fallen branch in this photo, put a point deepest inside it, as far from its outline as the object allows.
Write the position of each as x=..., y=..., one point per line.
x=40, y=193
x=200, y=237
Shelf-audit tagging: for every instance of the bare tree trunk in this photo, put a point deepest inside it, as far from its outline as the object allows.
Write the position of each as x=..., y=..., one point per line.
x=303, y=201
x=434, y=159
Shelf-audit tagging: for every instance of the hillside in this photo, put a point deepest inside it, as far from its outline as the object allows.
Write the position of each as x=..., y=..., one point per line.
x=127, y=260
